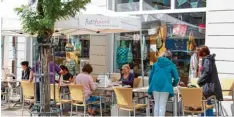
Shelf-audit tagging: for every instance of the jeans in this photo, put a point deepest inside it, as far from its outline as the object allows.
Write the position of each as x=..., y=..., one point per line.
x=93, y=99
x=209, y=112
x=160, y=102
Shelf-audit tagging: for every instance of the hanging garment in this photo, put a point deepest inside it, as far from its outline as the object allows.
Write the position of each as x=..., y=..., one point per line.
x=191, y=44
x=122, y=56
x=193, y=70
x=136, y=38
x=130, y=56
x=159, y=42
x=69, y=47
x=145, y=55
x=181, y=2
x=179, y=29
x=194, y=4
x=71, y=65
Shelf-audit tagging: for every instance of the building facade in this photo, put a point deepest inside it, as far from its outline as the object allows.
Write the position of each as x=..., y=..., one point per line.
x=212, y=15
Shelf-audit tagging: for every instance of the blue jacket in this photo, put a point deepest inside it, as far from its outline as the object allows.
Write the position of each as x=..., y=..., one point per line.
x=163, y=76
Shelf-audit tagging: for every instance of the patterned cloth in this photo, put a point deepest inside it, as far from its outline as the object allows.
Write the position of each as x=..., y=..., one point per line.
x=71, y=65
x=122, y=55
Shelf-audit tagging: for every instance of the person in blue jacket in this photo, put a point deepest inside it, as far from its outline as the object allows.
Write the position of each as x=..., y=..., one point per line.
x=163, y=78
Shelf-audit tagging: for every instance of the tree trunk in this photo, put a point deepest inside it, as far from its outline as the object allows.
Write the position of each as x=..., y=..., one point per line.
x=45, y=52
x=45, y=81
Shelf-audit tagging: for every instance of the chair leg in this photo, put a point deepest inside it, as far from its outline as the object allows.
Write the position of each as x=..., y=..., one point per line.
x=100, y=107
x=134, y=112
x=71, y=110
x=117, y=111
x=61, y=108
x=84, y=111
x=23, y=108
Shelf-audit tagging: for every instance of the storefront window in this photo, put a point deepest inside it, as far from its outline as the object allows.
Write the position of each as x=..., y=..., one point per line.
x=70, y=51
x=190, y=3
x=127, y=5
x=178, y=33
x=156, y=4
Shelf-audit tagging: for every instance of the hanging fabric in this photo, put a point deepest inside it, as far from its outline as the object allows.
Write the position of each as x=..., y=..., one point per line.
x=156, y=7
x=69, y=47
x=159, y=42
x=179, y=29
x=191, y=44
x=194, y=4
x=130, y=56
x=136, y=38
x=130, y=4
x=122, y=54
x=181, y=2
x=145, y=49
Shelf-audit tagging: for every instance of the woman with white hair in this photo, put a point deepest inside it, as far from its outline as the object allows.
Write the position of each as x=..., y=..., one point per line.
x=127, y=77
x=163, y=78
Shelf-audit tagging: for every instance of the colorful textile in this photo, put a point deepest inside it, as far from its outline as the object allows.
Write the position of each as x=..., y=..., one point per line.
x=71, y=65
x=122, y=55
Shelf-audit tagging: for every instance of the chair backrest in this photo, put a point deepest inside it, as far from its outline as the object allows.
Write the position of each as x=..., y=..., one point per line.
x=57, y=92
x=28, y=89
x=227, y=84
x=123, y=96
x=136, y=82
x=192, y=97
x=77, y=92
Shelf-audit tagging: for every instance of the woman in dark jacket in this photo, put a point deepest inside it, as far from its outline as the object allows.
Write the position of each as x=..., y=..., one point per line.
x=127, y=78
x=209, y=79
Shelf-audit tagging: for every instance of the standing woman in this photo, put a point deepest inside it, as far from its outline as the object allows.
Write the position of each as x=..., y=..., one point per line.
x=163, y=78
x=127, y=77
x=209, y=79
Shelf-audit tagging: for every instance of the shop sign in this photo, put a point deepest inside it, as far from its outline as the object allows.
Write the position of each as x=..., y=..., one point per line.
x=99, y=22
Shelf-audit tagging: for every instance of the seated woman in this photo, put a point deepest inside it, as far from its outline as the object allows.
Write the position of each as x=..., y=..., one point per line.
x=127, y=77
x=86, y=80
x=67, y=76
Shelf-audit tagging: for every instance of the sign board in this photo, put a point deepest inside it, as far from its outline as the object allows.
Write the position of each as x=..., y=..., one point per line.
x=99, y=22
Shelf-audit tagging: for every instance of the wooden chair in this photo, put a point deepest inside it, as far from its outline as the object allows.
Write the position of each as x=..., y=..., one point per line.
x=136, y=82
x=28, y=92
x=125, y=100
x=193, y=98
x=78, y=98
x=57, y=97
x=227, y=85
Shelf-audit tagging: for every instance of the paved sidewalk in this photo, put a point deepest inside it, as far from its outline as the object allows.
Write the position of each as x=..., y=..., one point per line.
x=14, y=111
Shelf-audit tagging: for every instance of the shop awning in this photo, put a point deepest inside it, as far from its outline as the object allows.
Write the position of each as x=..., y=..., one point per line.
x=93, y=20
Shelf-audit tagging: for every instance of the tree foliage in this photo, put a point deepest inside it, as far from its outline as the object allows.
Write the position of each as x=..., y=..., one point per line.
x=41, y=20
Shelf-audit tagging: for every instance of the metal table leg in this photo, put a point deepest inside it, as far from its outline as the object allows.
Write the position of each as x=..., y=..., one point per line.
x=175, y=105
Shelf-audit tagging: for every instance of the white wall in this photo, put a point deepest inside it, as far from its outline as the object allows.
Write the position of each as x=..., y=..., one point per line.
x=220, y=34
x=99, y=3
